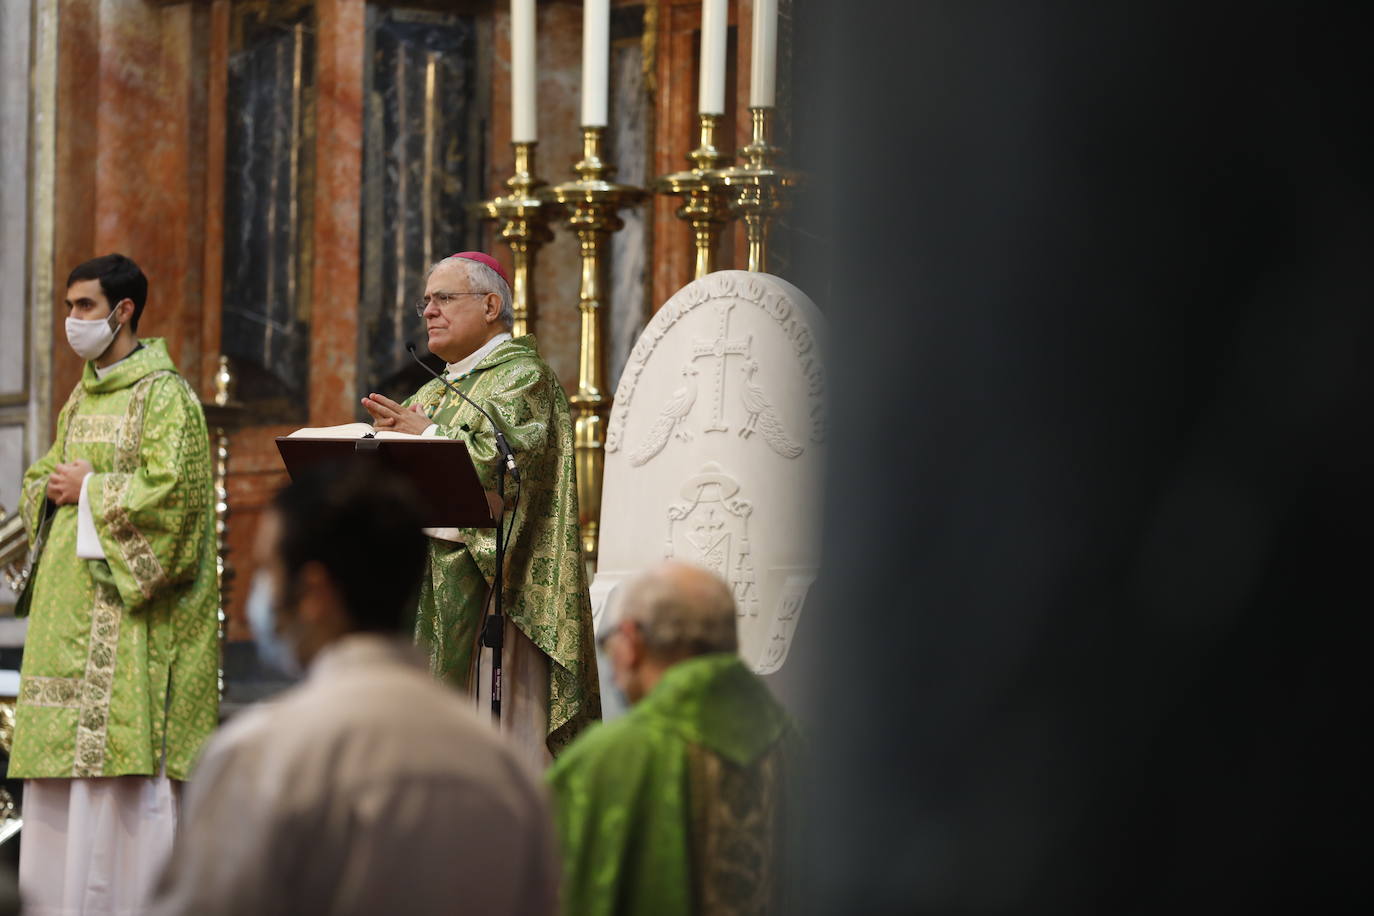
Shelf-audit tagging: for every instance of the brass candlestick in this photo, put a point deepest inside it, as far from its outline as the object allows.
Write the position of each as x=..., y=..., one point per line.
x=704, y=205
x=222, y=414
x=524, y=217
x=591, y=204
x=758, y=185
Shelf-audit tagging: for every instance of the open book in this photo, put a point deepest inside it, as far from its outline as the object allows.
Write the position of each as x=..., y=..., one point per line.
x=349, y=431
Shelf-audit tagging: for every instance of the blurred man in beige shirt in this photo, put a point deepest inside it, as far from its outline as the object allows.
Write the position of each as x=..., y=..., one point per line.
x=370, y=787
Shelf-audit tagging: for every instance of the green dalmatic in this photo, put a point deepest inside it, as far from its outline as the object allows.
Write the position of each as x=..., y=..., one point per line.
x=120, y=670
x=546, y=579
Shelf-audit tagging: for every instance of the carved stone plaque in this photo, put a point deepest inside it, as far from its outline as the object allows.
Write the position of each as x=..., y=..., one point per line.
x=714, y=451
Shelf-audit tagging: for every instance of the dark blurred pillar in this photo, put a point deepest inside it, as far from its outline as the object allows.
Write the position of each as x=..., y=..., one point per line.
x=1099, y=275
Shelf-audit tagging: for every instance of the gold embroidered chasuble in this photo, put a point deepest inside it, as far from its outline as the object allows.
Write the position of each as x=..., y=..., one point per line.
x=546, y=580
x=122, y=654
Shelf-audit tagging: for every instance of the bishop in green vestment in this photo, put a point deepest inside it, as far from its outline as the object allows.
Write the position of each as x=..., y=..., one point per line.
x=686, y=803
x=467, y=313
x=119, y=680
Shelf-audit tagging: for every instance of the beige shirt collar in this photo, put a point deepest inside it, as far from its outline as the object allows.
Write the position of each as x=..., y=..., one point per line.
x=364, y=649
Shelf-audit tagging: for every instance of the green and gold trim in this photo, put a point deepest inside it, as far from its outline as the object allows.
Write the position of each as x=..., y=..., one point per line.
x=95, y=429
x=735, y=845
x=98, y=684
x=52, y=692
x=137, y=553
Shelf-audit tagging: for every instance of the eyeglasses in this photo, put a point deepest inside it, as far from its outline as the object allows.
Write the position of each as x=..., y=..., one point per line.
x=441, y=298
x=605, y=636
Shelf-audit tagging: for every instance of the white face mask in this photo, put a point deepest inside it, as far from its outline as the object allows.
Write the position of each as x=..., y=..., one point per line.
x=273, y=650
x=89, y=339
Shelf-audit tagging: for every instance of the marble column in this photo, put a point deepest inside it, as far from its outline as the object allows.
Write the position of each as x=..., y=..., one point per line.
x=338, y=179
x=28, y=59
x=14, y=229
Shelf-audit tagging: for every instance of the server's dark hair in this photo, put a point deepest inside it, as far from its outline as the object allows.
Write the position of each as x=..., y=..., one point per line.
x=361, y=522
x=120, y=278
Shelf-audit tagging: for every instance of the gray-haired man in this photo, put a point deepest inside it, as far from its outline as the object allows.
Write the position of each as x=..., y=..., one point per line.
x=681, y=805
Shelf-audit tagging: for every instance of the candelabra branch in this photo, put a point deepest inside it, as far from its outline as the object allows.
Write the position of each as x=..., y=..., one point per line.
x=704, y=206
x=523, y=215
x=591, y=206
x=758, y=185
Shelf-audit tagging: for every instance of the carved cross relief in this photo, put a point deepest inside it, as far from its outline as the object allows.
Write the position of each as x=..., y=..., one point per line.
x=721, y=349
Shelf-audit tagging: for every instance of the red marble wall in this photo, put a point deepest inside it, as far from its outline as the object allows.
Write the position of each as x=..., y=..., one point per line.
x=74, y=186
x=130, y=176
x=216, y=44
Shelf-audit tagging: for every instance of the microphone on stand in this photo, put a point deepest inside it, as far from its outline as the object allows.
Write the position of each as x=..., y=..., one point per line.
x=493, y=624
x=501, y=445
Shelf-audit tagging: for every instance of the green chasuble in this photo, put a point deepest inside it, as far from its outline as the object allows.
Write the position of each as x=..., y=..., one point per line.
x=682, y=805
x=546, y=579
x=122, y=654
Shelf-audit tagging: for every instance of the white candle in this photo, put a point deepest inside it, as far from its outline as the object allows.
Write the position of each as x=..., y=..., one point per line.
x=763, y=67
x=715, y=25
x=523, y=128
x=596, y=61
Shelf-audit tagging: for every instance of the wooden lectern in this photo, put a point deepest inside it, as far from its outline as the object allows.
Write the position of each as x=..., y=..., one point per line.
x=439, y=469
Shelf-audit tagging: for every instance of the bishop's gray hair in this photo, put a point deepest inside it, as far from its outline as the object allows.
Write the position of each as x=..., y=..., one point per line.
x=681, y=609
x=485, y=280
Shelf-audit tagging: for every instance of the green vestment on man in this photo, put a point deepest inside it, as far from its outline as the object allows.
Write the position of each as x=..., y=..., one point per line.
x=682, y=805
x=545, y=579
x=121, y=660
